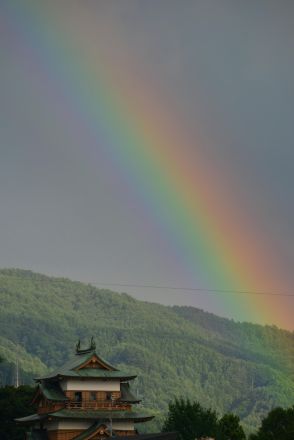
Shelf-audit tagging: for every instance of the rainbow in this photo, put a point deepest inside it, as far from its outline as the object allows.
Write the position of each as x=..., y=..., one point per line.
x=117, y=111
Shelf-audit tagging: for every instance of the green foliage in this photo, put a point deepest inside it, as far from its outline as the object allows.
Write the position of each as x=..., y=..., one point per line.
x=278, y=425
x=229, y=428
x=175, y=351
x=190, y=420
x=14, y=402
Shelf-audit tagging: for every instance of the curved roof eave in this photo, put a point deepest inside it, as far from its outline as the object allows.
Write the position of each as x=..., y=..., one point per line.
x=89, y=375
x=101, y=415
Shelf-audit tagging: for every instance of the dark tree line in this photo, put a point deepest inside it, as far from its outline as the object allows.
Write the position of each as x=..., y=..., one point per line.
x=192, y=421
x=278, y=425
x=14, y=402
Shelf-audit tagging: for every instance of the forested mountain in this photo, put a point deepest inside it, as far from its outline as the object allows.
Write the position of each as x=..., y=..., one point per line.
x=176, y=351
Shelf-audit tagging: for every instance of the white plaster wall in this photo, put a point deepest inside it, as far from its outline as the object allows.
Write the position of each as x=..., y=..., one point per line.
x=80, y=424
x=68, y=424
x=90, y=385
x=127, y=426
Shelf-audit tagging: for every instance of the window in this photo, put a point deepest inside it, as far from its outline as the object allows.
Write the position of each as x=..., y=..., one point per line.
x=93, y=395
x=108, y=396
x=78, y=396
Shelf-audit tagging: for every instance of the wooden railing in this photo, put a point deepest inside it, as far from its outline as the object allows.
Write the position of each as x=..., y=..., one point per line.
x=97, y=404
x=49, y=408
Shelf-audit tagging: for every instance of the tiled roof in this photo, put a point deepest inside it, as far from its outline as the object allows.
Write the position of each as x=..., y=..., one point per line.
x=127, y=395
x=52, y=391
x=31, y=418
x=91, y=373
x=88, y=415
x=102, y=415
x=70, y=369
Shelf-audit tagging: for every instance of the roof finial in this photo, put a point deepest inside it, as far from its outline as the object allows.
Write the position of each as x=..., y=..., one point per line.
x=78, y=346
x=92, y=347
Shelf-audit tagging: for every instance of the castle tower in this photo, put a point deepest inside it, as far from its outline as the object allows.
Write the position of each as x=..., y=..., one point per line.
x=85, y=399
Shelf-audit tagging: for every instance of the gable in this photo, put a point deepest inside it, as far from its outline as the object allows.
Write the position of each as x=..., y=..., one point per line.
x=94, y=362
x=97, y=431
x=101, y=432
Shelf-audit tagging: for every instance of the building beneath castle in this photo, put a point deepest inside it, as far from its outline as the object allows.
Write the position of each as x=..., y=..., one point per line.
x=86, y=399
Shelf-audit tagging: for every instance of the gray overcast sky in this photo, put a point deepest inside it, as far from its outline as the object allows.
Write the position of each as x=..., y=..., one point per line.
x=225, y=66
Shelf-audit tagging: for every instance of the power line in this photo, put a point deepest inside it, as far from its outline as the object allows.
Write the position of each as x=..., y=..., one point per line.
x=198, y=290
x=195, y=290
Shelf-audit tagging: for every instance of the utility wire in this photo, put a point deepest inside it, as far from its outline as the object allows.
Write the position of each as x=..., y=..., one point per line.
x=197, y=290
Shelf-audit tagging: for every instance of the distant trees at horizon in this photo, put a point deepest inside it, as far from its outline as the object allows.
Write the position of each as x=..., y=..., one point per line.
x=193, y=422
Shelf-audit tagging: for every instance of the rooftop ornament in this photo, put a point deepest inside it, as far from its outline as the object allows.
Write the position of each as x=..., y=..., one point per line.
x=91, y=348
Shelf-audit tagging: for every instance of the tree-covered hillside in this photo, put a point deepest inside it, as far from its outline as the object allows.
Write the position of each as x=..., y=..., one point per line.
x=176, y=351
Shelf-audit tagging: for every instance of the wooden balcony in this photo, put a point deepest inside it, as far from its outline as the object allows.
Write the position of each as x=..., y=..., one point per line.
x=50, y=407
x=99, y=405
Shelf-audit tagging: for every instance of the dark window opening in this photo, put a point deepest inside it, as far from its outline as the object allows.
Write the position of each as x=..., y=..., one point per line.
x=78, y=396
x=93, y=395
x=108, y=396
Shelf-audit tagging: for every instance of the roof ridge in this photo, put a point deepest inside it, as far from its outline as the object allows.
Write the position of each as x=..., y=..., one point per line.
x=91, y=347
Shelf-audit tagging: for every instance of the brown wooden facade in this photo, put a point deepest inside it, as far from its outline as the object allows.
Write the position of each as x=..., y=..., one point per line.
x=66, y=434
x=100, y=400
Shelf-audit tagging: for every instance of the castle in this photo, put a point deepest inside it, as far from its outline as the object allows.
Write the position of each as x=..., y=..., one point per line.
x=86, y=399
